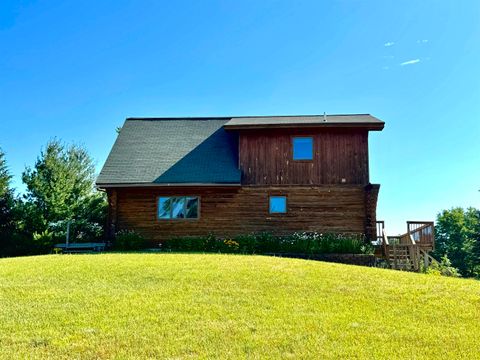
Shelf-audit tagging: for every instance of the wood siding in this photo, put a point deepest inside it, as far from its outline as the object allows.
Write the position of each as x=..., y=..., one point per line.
x=234, y=210
x=265, y=157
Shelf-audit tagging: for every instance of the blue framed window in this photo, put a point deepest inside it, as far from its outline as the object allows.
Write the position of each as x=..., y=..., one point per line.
x=277, y=204
x=302, y=148
x=178, y=207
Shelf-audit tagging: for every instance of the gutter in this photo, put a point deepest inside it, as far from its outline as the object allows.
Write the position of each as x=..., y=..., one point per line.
x=102, y=187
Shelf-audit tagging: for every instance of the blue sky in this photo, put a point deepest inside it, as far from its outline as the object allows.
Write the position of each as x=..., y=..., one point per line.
x=77, y=69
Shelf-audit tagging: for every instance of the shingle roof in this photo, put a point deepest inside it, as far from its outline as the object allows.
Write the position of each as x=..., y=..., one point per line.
x=164, y=151
x=159, y=151
x=355, y=120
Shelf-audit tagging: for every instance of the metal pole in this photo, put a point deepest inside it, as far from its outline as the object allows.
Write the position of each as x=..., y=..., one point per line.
x=68, y=234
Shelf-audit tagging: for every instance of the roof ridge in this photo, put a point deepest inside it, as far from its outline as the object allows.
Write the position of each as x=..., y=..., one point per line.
x=175, y=118
x=307, y=115
x=238, y=117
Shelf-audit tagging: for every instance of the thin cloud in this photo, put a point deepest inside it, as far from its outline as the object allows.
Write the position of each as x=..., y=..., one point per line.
x=410, y=62
x=424, y=41
x=390, y=43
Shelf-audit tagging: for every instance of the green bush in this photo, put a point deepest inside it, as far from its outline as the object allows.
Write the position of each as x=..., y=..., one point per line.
x=44, y=240
x=266, y=243
x=442, y=268
x=129, y=240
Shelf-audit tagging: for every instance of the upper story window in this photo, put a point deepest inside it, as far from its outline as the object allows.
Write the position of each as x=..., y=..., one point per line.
x=302, y=148
x=178, y=207
x=278, y=204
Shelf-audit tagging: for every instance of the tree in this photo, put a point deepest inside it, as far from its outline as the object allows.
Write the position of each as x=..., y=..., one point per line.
x=457, y=237
x=60, y=188
x=476, y=249
x=5, y=176
x=12, y=241
x=6, y=199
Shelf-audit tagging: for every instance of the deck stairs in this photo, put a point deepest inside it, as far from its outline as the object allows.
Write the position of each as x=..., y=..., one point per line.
x=410, y=251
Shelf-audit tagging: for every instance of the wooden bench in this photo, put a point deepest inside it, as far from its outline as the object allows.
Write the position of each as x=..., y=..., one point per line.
x=81, y=247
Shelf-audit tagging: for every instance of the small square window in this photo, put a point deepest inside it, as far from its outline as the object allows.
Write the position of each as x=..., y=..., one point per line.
x=278, y=204
x=303, y=148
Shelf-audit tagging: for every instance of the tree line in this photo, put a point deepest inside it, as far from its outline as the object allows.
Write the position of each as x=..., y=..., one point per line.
x=457, y=237
x=60, y=188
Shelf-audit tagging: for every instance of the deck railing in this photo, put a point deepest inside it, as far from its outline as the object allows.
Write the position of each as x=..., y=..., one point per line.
x=380, y=232
x=407, y=251
x=418, y=232
x=423, y=233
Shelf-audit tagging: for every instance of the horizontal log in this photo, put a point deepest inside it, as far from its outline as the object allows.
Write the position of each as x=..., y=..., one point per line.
x=229, y=212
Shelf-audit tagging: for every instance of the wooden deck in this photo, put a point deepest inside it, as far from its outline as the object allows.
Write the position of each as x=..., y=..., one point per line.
x=408, y=251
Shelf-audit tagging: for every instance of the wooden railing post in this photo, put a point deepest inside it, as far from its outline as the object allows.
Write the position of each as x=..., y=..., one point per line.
x=385, y=244
x=417, y=254
x=415, y=257
x=380, y=227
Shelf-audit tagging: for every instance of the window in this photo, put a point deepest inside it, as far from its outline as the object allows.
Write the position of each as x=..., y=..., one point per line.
x=278, y=204
x=178, y=207
x=302, y=148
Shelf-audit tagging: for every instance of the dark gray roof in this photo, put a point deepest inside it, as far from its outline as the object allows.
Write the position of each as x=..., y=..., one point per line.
x=159, y=151
x=172, y=151
x=354, y=120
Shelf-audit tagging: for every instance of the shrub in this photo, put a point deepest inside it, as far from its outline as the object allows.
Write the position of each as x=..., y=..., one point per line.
x=19, y=244
x=443, y=268
x=45, y=239
x=266, y=243
x=129, y=240
x=317, y=243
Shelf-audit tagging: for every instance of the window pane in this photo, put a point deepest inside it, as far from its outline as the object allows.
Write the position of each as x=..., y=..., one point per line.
x=178, y=207
x=303, y=148
x=278, y=204
x=192, y=207
x=164, y=206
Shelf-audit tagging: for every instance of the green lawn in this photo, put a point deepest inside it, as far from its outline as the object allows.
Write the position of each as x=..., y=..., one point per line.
x=186, y=306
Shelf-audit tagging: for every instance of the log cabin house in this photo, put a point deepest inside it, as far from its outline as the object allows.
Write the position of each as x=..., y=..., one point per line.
x=173, y=177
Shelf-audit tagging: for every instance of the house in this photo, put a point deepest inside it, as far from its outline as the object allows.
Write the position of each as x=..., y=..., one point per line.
x=172, y=177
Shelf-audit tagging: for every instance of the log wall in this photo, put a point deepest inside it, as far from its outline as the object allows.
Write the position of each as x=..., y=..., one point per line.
x=231, y=211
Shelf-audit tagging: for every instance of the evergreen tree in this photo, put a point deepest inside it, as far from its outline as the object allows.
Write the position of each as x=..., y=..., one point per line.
x=7, y=210
x=60, y=188
x=6, y=196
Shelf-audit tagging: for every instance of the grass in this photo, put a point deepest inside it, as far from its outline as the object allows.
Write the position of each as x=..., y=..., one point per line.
x=186, y=306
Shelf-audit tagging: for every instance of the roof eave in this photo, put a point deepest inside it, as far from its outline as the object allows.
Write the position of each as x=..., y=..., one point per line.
x=367, y=126
x=160, y=185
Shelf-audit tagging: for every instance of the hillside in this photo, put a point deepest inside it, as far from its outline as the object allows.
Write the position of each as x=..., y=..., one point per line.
x=227, y=306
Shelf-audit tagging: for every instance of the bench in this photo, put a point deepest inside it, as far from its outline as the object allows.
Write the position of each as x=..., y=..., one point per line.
x=81, y=247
